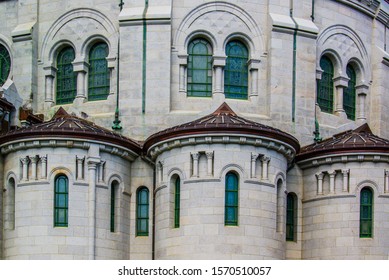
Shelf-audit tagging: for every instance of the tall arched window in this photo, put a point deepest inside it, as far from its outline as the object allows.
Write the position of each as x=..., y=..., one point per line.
x=98, y=75
x=113, y=214
x=366, y=213
x=10, y=205
x=66, y=78
x=177, y=191
x=5, y=64
x=199, y=68
x=61, y=195
x=142, y=212
x=236, y=71
x=349, y=93
x=291, y=216
x=325, y=86
x=231, y=200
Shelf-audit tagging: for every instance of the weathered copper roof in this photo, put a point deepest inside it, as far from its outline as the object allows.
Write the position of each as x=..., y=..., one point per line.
x=64, y=125
x=222, y=121
x=352, y=141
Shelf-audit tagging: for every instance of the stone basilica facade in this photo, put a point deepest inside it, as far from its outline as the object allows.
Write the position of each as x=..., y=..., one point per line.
x=170, y=129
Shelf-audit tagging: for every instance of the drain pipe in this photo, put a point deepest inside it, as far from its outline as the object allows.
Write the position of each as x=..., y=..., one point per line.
x=313, y=10
x=294, y=63
x=116, y=123
x=144, y=57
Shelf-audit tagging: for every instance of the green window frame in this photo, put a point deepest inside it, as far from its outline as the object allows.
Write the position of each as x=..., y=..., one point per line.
x=112, y=212
x=325, y=86
x=61, y=201
x=231, y=199
x=142, y=212
x=349, y=93
x=177, y=197
x=366, y=213
x=199, y=73
x=66, y=77
x=5, y=64
x=98, y=75
x=236, y=71
x=291, y=209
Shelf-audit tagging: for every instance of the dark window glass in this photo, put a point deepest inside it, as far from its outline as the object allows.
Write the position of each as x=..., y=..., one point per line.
x=142, y=212
x=231, y=200
x=61, y=194
x=366, y=213
x=325, y=87
x=236, y=71
x=98, y=75
x=177, y=203
x=349, y=93
x=66, y=78
x=5, y=64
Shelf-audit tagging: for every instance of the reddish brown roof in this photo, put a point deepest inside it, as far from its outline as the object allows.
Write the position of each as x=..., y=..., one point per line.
x=352, y=141
x=64, y=125
x=5, y=104
x=222, y=121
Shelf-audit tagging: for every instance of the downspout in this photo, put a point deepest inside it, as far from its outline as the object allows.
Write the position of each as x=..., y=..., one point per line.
x=116, y=123
x=294, y=63
x=313, y=10
x=144, y=57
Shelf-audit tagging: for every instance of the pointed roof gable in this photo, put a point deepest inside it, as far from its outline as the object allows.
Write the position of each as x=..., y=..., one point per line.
x=223, y=121
x=64, y=125
x=358, y=140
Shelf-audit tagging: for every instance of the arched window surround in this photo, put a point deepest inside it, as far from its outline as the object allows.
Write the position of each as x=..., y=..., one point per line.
x=5, y=63
x=291, y=216
x=66, y=78
x=366, y=213
x=99, y=71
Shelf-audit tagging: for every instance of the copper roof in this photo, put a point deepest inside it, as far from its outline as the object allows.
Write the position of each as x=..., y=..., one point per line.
x=359, y=140
x=222, y=121
x=64, y=125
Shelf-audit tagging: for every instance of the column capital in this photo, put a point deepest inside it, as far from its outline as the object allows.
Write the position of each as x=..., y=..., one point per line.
x=332, y=173
x=254, y=156
x=50, y=71
x=361, y=89
x=265, y=159
x=253, y=64
x=93, y=162
x=25, y=160
x=43, y=158
x=195, y=155
x=80, y=66
x=319, y=175
x=345, y=171
x=209, y=154
x=34, y=159
x=219, y=61
x=341, y=81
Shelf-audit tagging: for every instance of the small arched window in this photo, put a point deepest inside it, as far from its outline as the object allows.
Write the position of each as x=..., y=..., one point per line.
x=5, y=64
x=98, y=75
x=66, y=77
x=236, y=71
x=291, y=216
x=366, y=213
x=199, y=68
x=10, y=205
x=325, y=86
x=61, y=195
x=142, y=212
x=177, y=191
x=231, y=199
x=349, y=93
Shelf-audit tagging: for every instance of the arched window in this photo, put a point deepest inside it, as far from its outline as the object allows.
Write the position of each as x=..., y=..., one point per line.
x=236, y=71
x=231, y=200
x=280, y=218
x=325, y=86
x=349, y=93
x=142, y=212
x=98, y=75
x=291, y=216
x=177, y=190
x=113, y=214
x=5, y=64
x=366, y=213
x=199, y=68
x=61, y=195
x=10, y=205
x=66, y=78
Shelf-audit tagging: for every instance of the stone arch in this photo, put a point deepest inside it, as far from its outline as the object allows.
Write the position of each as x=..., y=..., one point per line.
x=206, y=17
x=118, y=179
x=347, y=45
x=93, y=39
x=78, y=24
x=201, y=34
x=232, y=167
x=176, y=171
x=61, y=170
x=367, y=183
